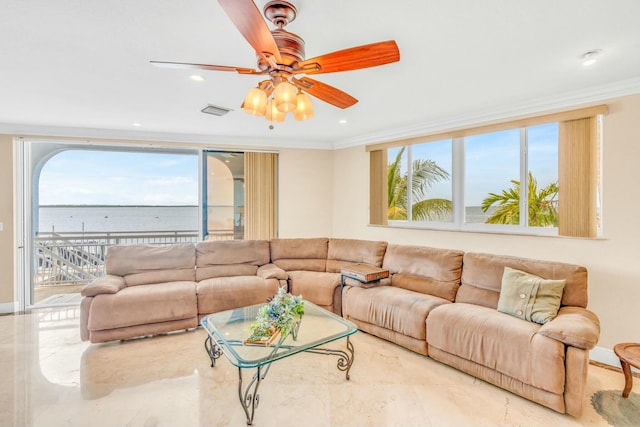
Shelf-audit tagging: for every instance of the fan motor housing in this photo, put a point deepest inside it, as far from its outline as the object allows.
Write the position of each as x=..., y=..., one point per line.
x=290, y=45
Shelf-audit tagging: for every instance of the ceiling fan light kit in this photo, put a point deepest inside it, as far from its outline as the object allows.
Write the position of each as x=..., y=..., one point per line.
x=255, y=103
x=304, y=108
x=281, y=55
x=273, y=114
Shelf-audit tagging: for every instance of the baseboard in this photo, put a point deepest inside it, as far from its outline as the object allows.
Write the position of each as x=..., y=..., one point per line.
x=607, y=357
x=8, y=307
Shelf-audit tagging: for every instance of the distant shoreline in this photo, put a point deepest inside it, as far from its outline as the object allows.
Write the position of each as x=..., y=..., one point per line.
x=117, y=206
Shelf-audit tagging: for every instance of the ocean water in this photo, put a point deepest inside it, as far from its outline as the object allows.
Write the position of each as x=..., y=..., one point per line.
x=117, y=218
x=144, y=218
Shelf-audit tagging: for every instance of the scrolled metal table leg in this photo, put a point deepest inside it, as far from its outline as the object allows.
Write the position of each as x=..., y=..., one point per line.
x=249, y=397
x=345, y=358
x=212, y=350
x=345, y=361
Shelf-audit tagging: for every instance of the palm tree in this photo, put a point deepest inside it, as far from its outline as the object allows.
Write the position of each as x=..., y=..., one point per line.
x=543, y=205
x=425, y=173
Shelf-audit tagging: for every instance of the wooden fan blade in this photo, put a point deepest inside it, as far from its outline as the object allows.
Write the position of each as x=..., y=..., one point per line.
x=370, y=55
x=187, y=66
x=325, y=92
x=247, y=18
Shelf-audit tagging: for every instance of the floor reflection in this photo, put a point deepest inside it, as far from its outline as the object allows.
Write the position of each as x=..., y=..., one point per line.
x=51, y=378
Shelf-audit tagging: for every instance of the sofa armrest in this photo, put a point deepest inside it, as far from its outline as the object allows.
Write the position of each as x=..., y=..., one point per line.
x=574, y=326
x=108, y=284
x=272, y=271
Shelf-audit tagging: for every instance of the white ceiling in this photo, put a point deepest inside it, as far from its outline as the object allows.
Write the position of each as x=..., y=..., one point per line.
x=81, y=67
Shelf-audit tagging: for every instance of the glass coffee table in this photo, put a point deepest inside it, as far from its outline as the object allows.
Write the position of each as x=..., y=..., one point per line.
x=227, y=331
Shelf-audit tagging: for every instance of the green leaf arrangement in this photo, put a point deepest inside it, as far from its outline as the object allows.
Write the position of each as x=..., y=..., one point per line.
x=279, y=314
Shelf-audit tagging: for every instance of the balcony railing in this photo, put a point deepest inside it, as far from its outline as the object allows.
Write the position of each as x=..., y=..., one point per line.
x=78, y=257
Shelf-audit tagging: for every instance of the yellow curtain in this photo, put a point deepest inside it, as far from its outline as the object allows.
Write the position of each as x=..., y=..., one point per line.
x=261, y=195
x=578, y=157
x=378, y=187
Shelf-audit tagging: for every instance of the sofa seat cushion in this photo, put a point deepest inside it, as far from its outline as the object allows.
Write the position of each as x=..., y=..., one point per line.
x=143, y=304
x=500, y=342
x=225, y=293
x=315, y=286
x=392, y=308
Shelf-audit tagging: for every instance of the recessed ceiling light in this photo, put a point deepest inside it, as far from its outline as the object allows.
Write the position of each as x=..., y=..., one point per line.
x=342, y=121
x=590, y=57
x=137, y=124
x=196, y=78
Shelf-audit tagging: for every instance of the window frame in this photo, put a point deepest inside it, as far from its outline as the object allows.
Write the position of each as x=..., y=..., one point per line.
x=457, y=137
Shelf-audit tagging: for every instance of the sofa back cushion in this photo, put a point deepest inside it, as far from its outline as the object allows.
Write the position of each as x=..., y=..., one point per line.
x=307, y=254
x=426, y=270
x=225, y=258
x=482, y=278
x=345, y=252
x=144, y=264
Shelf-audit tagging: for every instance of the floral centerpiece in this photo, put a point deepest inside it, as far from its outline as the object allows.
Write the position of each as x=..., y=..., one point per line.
x=281, y=315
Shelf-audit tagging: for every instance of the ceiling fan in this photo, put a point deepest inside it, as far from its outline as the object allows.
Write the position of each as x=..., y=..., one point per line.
x=281, y=55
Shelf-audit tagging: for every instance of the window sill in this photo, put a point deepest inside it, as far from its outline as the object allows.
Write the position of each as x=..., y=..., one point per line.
x=484, y=229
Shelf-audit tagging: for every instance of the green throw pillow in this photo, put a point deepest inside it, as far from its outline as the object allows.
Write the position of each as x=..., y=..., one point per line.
x=530, y=297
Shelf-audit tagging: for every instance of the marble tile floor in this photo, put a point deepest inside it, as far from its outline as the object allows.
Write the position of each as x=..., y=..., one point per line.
x=50, y=378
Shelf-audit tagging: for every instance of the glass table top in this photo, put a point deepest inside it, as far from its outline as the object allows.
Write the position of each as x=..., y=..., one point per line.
x=230, y=328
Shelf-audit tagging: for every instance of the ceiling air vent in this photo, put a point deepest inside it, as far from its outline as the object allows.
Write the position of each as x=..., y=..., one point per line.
x=215, y=110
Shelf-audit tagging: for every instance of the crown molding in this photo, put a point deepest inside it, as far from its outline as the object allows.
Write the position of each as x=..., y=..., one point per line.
x=536, y=106
x=104, y=135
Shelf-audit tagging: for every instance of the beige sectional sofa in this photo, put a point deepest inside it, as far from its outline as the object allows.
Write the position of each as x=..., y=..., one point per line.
x=438, y=302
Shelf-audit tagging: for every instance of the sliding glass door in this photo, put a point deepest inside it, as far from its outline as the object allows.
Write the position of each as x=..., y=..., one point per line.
x=223, y=199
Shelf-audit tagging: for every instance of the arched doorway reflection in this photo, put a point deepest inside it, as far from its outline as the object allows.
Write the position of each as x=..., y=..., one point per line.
x=223, y=195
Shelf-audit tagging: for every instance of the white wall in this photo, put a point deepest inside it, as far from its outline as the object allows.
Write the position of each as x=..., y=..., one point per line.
x=305, y=184
x=613, y=262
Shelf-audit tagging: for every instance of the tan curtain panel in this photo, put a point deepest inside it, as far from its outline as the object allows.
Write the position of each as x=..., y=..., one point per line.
x=261, y=188
x=378, y=187
x=578, y=157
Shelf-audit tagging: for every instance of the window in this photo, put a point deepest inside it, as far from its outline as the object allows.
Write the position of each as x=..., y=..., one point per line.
x=421, y=191
x=536, y=176
x=492, y=168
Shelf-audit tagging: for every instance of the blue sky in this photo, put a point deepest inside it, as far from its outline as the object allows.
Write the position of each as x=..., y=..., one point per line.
x=91, y=177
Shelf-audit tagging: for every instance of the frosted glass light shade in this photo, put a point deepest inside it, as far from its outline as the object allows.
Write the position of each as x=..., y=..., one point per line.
x=304, y=108
x=273, y=114
x=284, y=97
x=255, y=103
